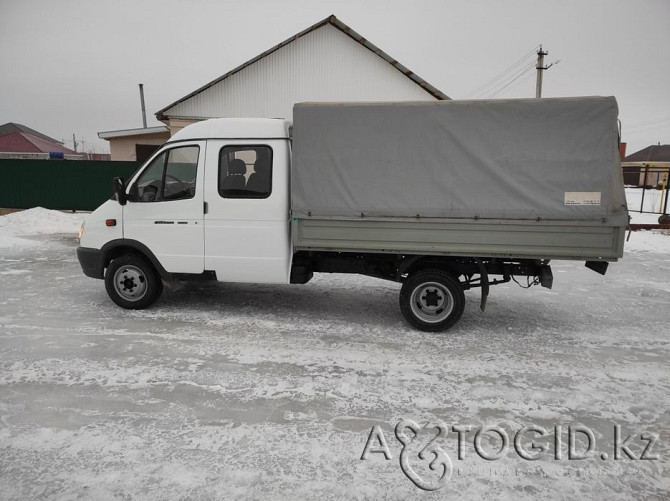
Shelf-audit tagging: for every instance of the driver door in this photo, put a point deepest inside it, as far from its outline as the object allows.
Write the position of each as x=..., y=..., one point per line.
x=165, y=207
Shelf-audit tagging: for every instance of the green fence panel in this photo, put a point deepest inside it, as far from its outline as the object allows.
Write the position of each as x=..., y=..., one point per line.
x=59, y=184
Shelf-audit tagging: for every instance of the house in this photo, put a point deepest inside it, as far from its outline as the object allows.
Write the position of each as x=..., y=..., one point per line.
x=19, y=141
x=326, y=62
x=648, y=167
x=135, y=144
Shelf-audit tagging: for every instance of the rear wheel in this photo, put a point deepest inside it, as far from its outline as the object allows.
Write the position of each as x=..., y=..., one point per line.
x=132, y=282
x=432, y=300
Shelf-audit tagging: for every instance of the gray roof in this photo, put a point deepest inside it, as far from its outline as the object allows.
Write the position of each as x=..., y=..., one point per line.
x=655, y=153
x=334, y=21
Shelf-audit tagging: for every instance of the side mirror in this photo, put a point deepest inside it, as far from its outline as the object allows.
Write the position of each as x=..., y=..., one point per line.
x=119, y=190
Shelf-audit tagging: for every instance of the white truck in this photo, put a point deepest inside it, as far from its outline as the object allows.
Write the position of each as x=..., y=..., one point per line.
x=439, y=196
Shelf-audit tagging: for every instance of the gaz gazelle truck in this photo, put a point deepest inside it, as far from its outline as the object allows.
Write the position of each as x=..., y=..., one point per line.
x=441, y=197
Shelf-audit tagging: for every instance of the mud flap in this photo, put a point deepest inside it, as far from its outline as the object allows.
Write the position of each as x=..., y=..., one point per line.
x=546, y=277
x=597, y=266
x=484, y=280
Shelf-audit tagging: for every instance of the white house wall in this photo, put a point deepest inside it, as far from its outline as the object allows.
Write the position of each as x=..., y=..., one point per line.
x=323, y=65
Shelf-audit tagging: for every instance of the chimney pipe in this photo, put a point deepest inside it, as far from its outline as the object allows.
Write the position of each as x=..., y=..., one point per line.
x=144, y=111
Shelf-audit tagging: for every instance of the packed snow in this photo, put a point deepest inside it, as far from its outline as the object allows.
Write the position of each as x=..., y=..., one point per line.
x=21, y=228
x=224, y=391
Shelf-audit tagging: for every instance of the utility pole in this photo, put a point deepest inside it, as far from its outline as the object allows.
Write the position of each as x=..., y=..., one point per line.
x=540, y=68
x=74, y=142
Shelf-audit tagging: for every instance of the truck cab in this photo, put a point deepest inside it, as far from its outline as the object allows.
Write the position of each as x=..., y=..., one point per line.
x=214, y=200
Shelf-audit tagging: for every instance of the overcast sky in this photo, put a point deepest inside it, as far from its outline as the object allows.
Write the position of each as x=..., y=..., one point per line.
x=73, y=66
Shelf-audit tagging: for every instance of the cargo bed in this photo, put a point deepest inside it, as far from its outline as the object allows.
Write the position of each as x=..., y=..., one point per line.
x=496, y=239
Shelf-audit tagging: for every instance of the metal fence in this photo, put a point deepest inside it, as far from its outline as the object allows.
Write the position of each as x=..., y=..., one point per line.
x=59, y=184
x=652, y=181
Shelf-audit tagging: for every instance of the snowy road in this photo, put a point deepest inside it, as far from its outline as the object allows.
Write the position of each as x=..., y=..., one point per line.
x=233, y=391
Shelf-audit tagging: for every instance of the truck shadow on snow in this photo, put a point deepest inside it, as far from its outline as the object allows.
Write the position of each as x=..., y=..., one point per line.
x=368, y=304
x=313, y=303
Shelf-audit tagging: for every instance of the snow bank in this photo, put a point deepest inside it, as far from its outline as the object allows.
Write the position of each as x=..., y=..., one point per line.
x=35, y=222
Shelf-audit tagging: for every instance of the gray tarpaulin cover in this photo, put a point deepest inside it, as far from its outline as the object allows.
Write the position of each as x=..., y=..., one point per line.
x=555, y=159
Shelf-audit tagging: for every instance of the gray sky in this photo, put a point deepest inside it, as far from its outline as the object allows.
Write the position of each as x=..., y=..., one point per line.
x=72, y=66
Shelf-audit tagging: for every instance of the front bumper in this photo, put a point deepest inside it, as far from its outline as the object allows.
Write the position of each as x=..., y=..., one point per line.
x=92, y=262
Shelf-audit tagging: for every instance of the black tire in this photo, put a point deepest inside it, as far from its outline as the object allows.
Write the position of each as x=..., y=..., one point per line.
x=432, y=300
x=132, y=282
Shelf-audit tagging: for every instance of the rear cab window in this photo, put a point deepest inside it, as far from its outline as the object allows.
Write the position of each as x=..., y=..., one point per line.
x=245, y=171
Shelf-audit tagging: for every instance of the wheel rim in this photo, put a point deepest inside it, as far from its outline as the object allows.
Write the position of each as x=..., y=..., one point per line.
x=130, y=283
x=432, y=302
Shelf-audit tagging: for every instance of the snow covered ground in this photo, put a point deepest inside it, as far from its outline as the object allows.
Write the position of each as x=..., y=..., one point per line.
x=237, y=391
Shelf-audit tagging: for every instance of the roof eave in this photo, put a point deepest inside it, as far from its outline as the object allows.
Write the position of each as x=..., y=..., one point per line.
x=132, y=132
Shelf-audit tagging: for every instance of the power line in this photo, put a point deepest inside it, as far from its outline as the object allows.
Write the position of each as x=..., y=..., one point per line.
x=504, y=75
x=513, y=78
x=526, y=71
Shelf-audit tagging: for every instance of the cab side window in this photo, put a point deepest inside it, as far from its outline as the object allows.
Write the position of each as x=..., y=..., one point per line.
x=245, y=171
x=170, y=176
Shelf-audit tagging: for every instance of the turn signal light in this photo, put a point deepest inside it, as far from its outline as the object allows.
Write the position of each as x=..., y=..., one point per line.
x=110, y=222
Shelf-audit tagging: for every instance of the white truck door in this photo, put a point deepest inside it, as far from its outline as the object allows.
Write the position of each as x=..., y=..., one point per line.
x=165, y=207
x=247, y=219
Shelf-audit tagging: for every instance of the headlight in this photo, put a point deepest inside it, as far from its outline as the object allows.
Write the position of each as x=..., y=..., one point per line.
x=81, y=231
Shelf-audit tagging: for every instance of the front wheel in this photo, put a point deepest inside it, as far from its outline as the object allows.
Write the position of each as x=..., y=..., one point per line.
x=132, y=282
x=432, y=300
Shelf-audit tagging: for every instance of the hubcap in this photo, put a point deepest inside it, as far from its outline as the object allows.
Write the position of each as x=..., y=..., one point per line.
x=432, y=302
x=130, y=283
